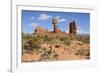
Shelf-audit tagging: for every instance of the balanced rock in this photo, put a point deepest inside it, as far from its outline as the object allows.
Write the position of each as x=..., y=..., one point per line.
x=55, y=26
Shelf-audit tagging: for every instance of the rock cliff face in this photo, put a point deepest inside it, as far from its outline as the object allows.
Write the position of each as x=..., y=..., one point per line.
x=72, y=28
x=41, y=31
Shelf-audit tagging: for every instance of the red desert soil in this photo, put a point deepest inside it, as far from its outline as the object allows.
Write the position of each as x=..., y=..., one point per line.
x=62, y=51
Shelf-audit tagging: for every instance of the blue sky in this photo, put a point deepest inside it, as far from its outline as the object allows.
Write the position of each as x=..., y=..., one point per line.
x=31, y=19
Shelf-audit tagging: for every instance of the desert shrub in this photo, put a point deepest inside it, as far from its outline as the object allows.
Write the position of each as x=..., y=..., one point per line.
x=63, y=38
x=83, y=52
x=34, y=38
x=85, y=38
x=66, y=40
x=37, y=39
x=44, y=49
x=31, y=45
x=48, y=54
x=72, y=37
x=36, y=46
x=31, y=42
x=26, y=37
x=47, y=39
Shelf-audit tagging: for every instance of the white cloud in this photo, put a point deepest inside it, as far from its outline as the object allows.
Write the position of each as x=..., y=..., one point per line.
x=32, y=17
x=44, y=17
x=82, y=32
x=62, y=20
x=57, y=17
x=33, y=25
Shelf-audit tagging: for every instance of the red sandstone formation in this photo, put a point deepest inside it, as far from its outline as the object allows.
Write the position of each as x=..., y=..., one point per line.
x=40, y=31
x=72, y=28
x=56, y=31
x=54, y=22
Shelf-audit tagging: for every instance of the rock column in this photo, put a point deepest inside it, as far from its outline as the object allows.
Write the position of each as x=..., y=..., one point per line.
x=54, y=22
x=72, y=28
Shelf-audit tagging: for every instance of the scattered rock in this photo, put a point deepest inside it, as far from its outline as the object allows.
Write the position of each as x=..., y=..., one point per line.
x=57, y=46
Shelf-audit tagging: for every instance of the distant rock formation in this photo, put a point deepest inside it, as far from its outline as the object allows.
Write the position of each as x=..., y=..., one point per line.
x=41, y=31
x=54, y=22
x=56, y=31
x=72, y=28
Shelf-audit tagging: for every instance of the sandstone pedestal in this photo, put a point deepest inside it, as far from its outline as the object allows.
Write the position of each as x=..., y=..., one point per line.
x=54, y=22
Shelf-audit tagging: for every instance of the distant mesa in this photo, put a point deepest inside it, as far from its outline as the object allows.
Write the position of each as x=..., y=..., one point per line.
x=72, y=29
x=40, y=31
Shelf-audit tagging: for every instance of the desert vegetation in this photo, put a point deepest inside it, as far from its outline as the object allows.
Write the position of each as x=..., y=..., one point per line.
x=84, y=37
x=55, y=45
x=51, y=48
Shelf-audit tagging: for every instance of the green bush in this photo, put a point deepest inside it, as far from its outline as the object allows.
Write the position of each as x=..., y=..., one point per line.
x=47, y=39
x=26, y=37
x=66, y=40
x=31, y=45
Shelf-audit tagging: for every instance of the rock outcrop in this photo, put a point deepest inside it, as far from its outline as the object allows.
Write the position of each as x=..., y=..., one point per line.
x=72, y=28
x=41, y=31
x=56, y=31
x=55, y=26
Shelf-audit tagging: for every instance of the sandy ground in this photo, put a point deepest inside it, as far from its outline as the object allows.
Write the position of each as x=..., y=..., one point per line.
x=62, y=52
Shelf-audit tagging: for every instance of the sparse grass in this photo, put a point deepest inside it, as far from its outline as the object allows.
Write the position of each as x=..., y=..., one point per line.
x=85, y=38
x=32, y=44
x=47, y=39
x=83, y=52
x=48, y=54
x=26, y=37
x=66, y=40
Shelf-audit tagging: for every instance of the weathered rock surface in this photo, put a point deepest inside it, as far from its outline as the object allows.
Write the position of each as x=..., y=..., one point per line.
x=41, y=31
x=55, y=26
x=72, y=28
